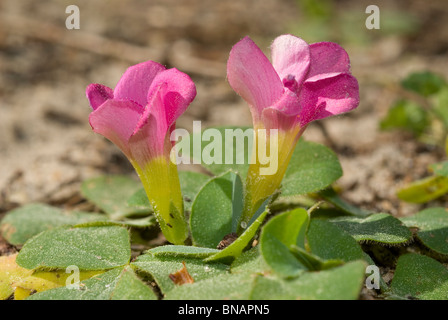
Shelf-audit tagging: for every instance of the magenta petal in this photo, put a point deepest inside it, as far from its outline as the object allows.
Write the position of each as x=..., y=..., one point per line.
x=177, y=92
x=328, y=57
x=98, y=94
x=289, y=104
x=146, y=143
x=290, y=58
x=116, y=120
x=136, y=81
x=328, y=94
x=273, y=118
x=148, y=139
x=169, y=96
x=252, y=76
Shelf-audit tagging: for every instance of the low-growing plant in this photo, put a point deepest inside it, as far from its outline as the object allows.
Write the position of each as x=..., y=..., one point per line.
x=244, y=229
x=424, y=112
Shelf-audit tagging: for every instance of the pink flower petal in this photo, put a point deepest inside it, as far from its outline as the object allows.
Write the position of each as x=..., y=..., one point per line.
x=328, y=94
x=275, y=119
x=98, y=94
x=136, y=81
x=289, y=104
x=328, y=57
x=148, y=139
x=169, y=96
x=291, y=60
x=116, y=120
x=177, y=92
x=253, y=77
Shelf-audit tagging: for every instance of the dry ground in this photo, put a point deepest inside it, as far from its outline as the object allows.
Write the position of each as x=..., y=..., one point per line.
x=47, y=147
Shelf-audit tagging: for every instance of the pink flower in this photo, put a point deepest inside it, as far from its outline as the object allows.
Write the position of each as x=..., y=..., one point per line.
x=304, y=82
x=141, y=110
x=138, y=116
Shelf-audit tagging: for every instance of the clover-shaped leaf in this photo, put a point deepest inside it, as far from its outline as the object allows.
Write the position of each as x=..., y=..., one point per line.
x=25, y=222
x=330, y=242
x=111, y=193
x=88, y=248
x=159, y=267
x=340, y=283
x=216, y=210
x=312, y=167
x=432, y=224
x=421, y=277
x=116, y=284
x=380, y=227
x=278, y=235
x=222, y=287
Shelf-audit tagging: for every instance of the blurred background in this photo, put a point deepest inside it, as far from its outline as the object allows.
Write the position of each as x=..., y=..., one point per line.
x=47, y=146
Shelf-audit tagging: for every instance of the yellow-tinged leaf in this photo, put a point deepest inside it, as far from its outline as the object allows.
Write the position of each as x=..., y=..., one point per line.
x=10, y=272
x=21, y=294
x=45, y=280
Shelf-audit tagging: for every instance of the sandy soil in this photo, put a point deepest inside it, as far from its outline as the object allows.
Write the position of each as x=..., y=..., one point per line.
x=47, y=147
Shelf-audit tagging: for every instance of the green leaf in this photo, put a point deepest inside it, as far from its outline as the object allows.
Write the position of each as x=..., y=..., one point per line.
x=234, y=250
x=250, y=262
x=22, y=223
x=139, y=200
x=424, y=83
x=424, y=190
x=379, y=227
x=41, y=281
x=222, y=287
x=224, y=141
x=144, y=222
x=190, y=184
x=341, y=283
x=313, y=167
x=160, y=267
x=182, y=251
x=329, y=242
x=313, y=262
x=10, y=273
x=440, y=105
x=278, y=235
x=331, y=196
x=116, y=284
x=88, y=248
x=398, y=23
x=421, y=277
x=407, y=115
x=216, y=210
x=440, y=169
x=110, y=193
x=135, y=223
x=432, y=224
